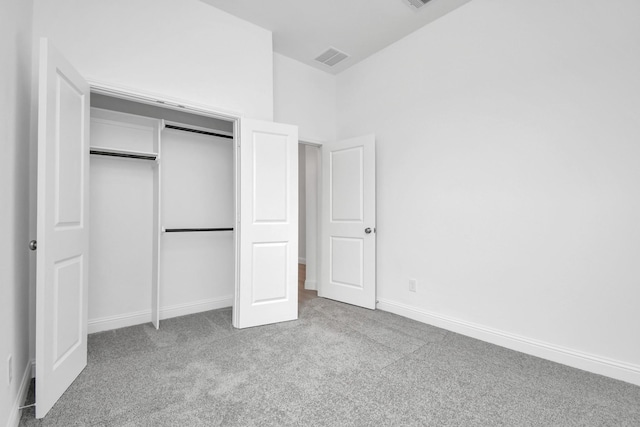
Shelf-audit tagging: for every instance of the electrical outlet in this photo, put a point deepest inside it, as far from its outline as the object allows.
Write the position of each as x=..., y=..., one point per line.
x=413, y=285
x=10, y=369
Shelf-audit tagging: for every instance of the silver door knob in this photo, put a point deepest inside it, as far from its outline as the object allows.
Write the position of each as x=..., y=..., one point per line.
x=33, y=245
x=367, y=230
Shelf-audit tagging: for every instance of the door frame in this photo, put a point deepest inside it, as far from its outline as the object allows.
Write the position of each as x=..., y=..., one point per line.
x=199, y=109
x=318, y=211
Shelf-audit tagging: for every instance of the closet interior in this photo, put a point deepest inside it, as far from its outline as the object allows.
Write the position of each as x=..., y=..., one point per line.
x=162, y=210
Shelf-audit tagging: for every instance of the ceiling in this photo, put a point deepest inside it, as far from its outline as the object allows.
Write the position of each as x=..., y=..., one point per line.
x=304, y=29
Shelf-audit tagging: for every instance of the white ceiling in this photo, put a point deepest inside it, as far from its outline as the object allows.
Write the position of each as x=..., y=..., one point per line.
x=303, y=29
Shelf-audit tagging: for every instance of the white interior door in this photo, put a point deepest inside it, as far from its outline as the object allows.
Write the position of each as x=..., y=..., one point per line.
x=267, y=290
x=63, y=229
x=348, y=245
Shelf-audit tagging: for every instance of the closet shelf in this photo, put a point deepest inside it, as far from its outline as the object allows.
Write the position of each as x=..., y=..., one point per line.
x=191, y=230
x=196, y=130
x=111, y=152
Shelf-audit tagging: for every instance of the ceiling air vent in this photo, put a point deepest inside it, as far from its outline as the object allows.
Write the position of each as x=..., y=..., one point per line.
x=416, y=4
x=332, y=56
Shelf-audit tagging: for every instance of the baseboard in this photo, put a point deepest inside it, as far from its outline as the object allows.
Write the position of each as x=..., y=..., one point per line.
x=118, y=321
x=302, y=261
x=576, y=359
x=195, y=307
x=311, y=285
x=14, y=414
x=140, y=317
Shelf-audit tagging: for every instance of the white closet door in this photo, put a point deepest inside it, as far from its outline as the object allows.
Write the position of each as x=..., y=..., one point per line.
x=268, y=272
x=63, y=227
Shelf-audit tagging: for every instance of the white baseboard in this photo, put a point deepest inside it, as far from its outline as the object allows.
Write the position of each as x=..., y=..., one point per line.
x=577, y=359
x=302, y=261
x=140, y=317
x=195, y=307
x=14, y=415
x=311, y=285
x=118, y=321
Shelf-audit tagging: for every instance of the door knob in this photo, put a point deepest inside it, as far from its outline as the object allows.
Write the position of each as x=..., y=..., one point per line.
x=33, y=245
x=367, y=230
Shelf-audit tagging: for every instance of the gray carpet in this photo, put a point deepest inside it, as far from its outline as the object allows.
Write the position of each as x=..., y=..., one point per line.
x=337, y=366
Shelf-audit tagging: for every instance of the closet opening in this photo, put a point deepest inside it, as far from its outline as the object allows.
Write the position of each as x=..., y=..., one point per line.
x=163, y=211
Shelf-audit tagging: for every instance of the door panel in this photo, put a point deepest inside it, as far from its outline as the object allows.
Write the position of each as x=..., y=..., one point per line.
x=63, y=238
x=348, y=209
x=346, y=261
x=268, y=270
x=346, y=185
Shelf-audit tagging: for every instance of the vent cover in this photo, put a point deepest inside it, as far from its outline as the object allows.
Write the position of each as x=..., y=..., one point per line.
x=332, y=56
x=416, y=4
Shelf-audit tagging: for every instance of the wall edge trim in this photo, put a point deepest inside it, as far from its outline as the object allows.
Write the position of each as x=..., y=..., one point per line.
x=574, y=358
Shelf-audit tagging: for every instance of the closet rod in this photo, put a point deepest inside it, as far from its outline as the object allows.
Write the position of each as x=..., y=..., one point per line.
x=204, y=132
x=190, y=230
x=125, y=155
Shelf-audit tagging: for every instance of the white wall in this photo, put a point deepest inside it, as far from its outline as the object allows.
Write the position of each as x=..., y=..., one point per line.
x=508, y=179
x=305, y=97
x=15, y=87
x=181, y=49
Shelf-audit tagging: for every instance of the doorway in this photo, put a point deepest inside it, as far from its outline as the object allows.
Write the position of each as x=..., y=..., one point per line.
x=308, y=197
x=161, y=241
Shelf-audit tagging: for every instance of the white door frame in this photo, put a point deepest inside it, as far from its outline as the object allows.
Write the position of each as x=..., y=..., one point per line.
x=199, y=109
x=318, y=211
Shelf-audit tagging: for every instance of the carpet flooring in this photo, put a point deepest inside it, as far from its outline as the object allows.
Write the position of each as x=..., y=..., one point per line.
x=338, y=365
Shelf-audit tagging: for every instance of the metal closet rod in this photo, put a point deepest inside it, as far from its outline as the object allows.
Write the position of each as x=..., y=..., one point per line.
x=125, y=155
x=203, y=132
x=191, y=230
